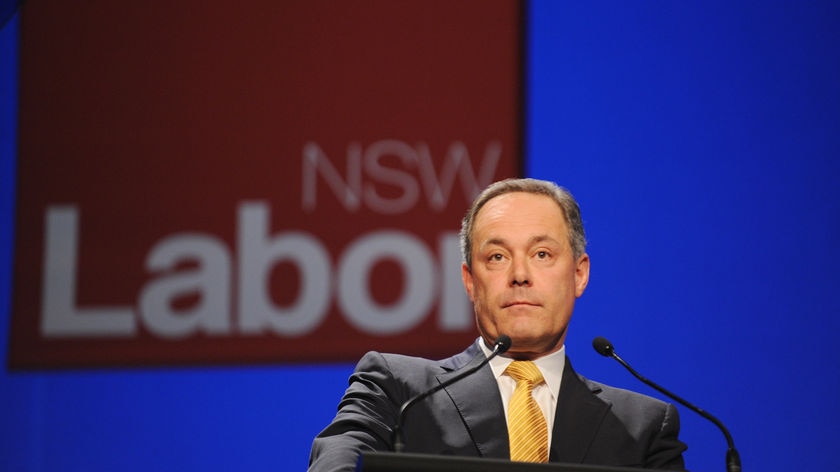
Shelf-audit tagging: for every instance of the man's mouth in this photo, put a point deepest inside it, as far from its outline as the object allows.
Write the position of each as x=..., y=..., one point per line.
x=518, y=303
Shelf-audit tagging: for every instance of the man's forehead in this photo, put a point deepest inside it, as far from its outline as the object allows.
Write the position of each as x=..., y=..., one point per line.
x=519, y=208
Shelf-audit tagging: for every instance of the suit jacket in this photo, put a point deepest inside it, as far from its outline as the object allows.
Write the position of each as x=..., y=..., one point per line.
x=594, y=423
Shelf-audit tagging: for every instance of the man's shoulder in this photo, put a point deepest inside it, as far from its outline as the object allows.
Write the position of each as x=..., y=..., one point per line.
x=628, y=404
x=402, y=362
x=404, y=375
x=616, y=394
x=394, y=361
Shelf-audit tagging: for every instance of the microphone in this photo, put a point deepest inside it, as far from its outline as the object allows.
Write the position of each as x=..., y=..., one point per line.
x=501, y=345
x=733, y=459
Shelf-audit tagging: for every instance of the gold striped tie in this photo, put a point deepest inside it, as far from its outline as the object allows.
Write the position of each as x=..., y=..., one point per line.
x=526, y=424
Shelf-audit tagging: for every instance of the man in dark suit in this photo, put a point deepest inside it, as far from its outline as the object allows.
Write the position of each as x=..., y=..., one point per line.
x=524, y=265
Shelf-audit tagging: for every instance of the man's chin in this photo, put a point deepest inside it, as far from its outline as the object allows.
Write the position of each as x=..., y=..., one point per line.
x=530, y=346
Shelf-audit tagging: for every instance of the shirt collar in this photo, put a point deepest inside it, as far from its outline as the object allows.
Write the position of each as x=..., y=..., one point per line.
x=551, y=365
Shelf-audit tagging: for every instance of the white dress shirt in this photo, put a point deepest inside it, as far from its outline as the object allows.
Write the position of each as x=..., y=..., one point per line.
x=545, y=394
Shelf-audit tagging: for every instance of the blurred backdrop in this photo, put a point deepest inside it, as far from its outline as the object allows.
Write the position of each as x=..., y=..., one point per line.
x=701, y=140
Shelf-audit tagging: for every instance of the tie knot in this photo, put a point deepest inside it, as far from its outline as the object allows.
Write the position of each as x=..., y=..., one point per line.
x=525, y=370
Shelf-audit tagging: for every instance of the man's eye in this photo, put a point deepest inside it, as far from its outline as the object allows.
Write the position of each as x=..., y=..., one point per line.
x=542, y=254
x=496, y=257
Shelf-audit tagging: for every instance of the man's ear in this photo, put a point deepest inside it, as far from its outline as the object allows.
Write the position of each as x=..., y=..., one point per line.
x=467, y=278
x=581, y=274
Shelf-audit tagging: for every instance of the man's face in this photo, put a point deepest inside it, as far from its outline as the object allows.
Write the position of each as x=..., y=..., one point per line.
x=524, y=278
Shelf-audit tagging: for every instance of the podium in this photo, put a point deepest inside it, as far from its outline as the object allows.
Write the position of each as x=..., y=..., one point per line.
x=393, y=462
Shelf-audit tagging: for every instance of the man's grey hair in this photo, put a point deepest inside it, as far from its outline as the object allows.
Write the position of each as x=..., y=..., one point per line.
x=567, y=203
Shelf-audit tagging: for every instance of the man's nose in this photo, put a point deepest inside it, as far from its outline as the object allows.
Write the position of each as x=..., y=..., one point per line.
x=520, y=273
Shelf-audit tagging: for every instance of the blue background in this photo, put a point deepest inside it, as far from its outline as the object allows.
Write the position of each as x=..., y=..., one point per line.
x=702, y=142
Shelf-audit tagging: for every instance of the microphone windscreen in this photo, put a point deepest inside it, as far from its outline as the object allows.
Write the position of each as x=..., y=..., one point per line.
x=604, y=347
x=504, y=342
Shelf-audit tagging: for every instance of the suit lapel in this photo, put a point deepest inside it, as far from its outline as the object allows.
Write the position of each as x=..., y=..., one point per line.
x=479, y=404
x=578, y=417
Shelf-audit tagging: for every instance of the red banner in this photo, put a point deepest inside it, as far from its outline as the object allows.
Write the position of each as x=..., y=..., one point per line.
x=279, y=181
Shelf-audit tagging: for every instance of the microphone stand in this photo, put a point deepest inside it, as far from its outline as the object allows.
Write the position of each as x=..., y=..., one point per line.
x=733, y=459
